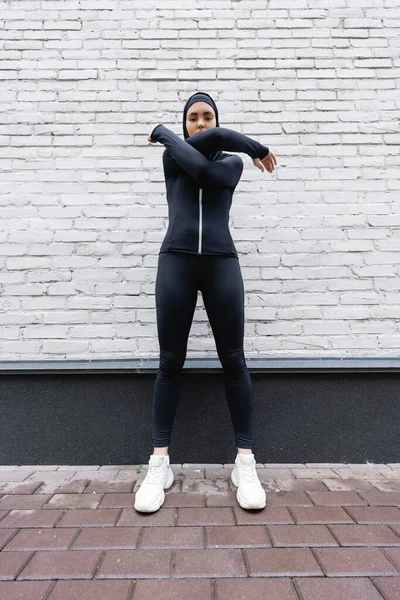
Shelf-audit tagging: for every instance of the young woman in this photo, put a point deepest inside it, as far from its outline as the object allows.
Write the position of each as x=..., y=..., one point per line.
x=198, y=253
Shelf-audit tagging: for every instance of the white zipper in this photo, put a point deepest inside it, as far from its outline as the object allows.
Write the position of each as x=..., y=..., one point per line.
x=200, y=219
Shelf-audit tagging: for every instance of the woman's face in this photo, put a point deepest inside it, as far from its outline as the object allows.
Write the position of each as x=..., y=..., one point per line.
x=199, y=117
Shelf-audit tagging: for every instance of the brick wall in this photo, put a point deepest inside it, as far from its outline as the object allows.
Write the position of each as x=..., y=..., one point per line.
x=83, y=207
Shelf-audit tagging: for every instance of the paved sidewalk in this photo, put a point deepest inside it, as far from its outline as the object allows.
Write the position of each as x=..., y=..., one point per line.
x=328, y=531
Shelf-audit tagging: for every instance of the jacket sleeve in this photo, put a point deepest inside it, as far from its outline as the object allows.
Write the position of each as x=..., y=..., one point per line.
x=225, y=172
x=222, y=138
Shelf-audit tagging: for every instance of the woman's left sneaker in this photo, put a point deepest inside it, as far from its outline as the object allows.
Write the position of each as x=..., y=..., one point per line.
x=250, y=493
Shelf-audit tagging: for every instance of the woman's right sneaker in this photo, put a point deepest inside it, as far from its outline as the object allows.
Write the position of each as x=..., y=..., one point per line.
x=150, y=496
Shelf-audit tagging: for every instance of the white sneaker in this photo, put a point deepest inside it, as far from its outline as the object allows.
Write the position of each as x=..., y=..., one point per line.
x=250, y=493
x=150, y=496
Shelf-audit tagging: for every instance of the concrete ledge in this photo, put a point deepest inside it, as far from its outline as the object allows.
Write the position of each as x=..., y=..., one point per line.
x=203, y=365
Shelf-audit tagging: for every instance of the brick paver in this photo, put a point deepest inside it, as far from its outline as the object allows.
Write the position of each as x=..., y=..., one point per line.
x=329, y=530
x=168, y=589
x=106, y=538
x=173, y=537
x=91, y=590
x=24, y=590
x=63, y=564
x=337, y=588
x=138, y=563
x=41, y=539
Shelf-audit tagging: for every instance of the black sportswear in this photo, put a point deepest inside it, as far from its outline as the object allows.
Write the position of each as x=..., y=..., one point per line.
x=199, y=190
x=179, y=277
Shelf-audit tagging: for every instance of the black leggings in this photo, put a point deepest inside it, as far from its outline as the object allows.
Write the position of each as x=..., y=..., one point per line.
x=179, y=276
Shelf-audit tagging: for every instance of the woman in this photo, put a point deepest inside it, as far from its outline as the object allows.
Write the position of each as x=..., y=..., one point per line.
x=198, y=253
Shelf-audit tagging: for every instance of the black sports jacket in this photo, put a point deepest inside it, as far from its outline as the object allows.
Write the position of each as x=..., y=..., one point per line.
x=199, y=190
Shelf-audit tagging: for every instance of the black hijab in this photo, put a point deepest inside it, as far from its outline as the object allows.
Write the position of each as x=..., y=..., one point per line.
x=200, y=97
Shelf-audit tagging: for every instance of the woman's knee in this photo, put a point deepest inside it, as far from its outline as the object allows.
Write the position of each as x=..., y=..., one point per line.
x=171, y=363
x=234, y=362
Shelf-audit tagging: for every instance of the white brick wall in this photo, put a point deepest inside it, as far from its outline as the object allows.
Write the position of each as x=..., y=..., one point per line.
x=83, y=207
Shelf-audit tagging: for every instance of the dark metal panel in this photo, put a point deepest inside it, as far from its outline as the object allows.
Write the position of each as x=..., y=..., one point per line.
x=105, y=418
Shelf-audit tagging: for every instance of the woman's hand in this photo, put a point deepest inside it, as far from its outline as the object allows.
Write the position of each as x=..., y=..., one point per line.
x=269, y=161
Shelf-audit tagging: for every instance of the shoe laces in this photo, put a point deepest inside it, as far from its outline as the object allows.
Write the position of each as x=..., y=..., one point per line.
x=153, y=474
x=248, y=473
